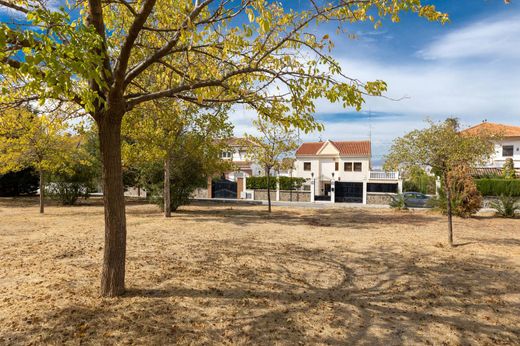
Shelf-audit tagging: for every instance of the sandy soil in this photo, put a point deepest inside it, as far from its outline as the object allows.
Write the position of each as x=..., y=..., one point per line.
x=217, y=274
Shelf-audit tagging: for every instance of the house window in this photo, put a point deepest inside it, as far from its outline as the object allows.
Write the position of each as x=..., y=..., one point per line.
x=358, y=166
x=226, y=155
x=507, y=150
x=306, y=166
x=336, y=166
x=347, y=166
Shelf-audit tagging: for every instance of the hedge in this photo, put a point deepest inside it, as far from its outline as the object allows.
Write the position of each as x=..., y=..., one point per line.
x=498, y=187
x=286, y=183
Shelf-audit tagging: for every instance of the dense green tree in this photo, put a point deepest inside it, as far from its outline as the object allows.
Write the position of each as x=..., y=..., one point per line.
x=36, y=141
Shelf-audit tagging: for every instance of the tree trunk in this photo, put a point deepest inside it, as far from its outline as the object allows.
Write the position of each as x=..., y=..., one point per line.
x=447, y=190
x=42, y=192
x=268, y=188
x=166, y=188
x=113, y=274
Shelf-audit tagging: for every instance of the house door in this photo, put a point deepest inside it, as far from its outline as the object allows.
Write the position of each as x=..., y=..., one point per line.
x=348, y=192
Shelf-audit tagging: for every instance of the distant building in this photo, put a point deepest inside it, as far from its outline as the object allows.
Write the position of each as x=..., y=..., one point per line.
x=506, y=147
x=341, y=170
x=237, y=154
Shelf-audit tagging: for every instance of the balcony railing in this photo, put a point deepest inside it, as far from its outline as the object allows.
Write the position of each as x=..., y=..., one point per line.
x=377, y=175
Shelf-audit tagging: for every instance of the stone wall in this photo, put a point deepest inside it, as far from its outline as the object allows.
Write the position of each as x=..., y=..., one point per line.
x=379, y=198
x=486, y=201
x=200, y=193
x=261, y=195
x=297, y=196
x=285, y=196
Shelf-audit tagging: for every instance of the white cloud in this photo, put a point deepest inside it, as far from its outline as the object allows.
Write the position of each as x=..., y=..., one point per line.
x=471, y=73
x=485, y=39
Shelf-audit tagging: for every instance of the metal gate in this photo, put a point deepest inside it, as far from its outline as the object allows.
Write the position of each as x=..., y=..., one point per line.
x=348, y=192
x=223, y=189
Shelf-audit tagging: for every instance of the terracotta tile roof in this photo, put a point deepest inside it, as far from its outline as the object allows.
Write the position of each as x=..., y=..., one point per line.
x=357, y=148
x=361, y=148
x=494, y=129
x=309, y=148
x=487, y=171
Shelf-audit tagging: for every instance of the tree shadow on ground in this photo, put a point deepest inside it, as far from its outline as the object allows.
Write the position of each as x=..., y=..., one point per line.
x=231, y=292
x=358, y=218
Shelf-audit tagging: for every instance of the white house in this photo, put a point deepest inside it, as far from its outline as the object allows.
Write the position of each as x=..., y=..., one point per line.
x=508, y=146
x=340, y=171
x=237, y=154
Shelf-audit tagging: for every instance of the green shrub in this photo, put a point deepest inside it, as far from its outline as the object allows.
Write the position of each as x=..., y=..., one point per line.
x=506, y=206
x=466, y=200
x=499, y=187
x=398, y=202
x=186, y=175
x=24, y=182
x=286, y=183
x=67, y=193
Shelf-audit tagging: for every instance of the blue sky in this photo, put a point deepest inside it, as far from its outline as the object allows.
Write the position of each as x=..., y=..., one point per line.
x=468, y=68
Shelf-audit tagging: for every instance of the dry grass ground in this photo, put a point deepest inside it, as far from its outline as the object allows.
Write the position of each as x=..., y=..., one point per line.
x=235, y=275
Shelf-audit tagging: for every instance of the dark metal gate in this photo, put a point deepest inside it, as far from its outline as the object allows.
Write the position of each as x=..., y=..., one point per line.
x=223, y=189
x=348, y=192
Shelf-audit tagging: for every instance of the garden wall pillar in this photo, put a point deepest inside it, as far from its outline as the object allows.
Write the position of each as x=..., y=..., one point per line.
x=332, y=191
x=365, y=192
x=313, y=188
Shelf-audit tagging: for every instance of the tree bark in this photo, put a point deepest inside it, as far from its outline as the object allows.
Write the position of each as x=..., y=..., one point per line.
x=166, y=188
x=268, y=188
x=447, y=190
x=42, y=192
x=113, y=274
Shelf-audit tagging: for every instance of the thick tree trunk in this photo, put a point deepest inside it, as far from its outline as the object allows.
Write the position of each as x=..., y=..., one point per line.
x=42, y=192
x=166, y=186
x=113, y=274
x=447, y=190
x=268, y=188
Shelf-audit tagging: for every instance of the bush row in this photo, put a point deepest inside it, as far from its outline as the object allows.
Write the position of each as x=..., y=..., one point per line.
x=286, y=183
x=498, y=187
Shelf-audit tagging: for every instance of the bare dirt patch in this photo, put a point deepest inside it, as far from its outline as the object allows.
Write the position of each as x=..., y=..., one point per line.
x=219, y=274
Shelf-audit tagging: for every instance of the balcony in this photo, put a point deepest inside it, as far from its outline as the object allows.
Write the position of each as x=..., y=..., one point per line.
x=379, y=175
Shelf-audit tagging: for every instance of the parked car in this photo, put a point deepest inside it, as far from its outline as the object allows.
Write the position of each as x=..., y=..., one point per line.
x=416, y=200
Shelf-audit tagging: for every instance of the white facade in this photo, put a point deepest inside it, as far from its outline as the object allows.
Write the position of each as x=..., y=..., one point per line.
x=323, y=165
x=237, y=154
x=503, y=149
